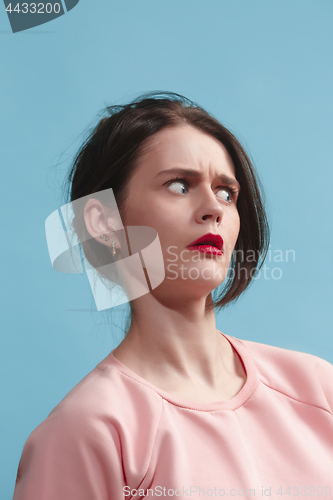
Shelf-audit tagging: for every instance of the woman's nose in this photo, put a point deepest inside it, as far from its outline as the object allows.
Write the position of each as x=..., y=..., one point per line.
x=209, y=208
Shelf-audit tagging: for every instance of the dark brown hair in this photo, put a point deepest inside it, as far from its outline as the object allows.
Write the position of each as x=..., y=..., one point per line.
x=110, y=154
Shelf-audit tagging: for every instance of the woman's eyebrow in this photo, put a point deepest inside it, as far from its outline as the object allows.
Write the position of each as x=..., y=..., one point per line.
x=189, y=172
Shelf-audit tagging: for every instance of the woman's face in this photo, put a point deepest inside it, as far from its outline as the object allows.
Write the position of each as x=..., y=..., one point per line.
x=183, y=188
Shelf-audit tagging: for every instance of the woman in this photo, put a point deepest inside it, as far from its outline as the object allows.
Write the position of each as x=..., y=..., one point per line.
x=180, y=409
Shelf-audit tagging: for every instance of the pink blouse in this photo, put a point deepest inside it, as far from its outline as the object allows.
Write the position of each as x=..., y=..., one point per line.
x=116, y=436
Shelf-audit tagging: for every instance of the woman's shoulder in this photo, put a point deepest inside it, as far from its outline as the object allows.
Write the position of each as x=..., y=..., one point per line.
x=106, y=394
x=103, y=407
x=103, y=420
x=299, y=375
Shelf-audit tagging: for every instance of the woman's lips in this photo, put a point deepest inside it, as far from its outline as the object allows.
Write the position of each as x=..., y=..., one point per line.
x=205, y=249
x=208, y=243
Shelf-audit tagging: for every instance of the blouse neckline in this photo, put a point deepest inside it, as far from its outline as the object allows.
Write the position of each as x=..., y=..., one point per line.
x=231, y=404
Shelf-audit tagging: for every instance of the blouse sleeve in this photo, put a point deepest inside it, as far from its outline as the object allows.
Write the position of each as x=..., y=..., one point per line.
x=324, y=373
x=71, y=456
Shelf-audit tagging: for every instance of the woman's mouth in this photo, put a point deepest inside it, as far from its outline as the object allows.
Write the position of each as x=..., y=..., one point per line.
x=208, y=243
x=205, y=249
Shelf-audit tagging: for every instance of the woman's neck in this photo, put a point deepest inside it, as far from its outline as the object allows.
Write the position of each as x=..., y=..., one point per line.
x=180, y=350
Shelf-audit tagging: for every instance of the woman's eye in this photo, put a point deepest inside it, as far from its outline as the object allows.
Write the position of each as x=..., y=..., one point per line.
x=225, y=195
x=178, y=187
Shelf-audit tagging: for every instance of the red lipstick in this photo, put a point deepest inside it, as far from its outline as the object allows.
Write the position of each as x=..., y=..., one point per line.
x=208, y=243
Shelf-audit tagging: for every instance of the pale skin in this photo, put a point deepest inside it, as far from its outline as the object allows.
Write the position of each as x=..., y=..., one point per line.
x=173, y=342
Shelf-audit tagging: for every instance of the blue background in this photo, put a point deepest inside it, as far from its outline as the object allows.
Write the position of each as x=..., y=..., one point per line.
x=263, y=68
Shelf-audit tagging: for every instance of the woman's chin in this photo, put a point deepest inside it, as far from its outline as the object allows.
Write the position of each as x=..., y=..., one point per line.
x=206, y=278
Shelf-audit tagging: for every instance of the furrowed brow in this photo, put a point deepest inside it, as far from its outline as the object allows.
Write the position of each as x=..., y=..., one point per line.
x=229, y=181
x=189, y=172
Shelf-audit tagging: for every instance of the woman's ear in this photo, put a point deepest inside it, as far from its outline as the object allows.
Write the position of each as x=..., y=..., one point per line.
x=100, y=224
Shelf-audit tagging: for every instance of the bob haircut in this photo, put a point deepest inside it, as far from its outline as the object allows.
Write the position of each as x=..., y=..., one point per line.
x=111, y=153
